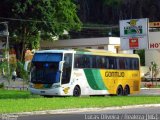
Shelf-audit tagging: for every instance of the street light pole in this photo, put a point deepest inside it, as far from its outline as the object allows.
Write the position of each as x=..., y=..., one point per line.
x=6, y=33
x=7, y=46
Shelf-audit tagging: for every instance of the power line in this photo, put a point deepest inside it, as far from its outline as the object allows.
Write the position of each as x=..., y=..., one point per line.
x=24, y=20
x=100, y=27
x=29, y=20
x=43, y=21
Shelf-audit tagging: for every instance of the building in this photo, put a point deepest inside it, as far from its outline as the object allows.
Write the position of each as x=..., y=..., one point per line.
x=108, y=43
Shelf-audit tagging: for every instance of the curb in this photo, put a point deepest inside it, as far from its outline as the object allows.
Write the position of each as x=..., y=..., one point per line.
x=81, y=110
x=150, y=88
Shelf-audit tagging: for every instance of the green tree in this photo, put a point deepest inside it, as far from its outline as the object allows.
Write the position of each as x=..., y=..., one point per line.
x=155, y=70
x=141, y=54
x=113, y=3
x=28, y=18
x=115, y=8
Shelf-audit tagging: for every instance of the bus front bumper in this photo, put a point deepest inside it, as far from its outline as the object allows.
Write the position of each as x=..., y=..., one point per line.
x=50, y=92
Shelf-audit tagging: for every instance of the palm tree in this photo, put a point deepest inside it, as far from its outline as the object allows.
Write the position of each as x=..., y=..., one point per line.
x=155, y=70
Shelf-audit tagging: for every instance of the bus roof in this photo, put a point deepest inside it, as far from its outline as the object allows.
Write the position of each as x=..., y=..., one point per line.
x=56, y=51
x=104, y=53
x=88, y=51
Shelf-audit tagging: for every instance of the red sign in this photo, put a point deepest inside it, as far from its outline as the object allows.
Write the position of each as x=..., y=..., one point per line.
x=133, y=43
x=154, y=45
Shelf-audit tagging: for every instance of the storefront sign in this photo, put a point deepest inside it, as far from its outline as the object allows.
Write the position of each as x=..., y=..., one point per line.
x=154, y=38
x=134, y=34
x=133, y=43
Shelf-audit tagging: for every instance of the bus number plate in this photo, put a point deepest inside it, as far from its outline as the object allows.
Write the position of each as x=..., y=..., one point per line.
x=42, y=91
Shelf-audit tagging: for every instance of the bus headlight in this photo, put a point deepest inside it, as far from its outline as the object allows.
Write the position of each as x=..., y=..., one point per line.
x=55, y=86
x=31, y=85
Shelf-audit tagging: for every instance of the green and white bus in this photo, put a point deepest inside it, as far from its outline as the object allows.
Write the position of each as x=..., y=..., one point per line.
x=84, y=72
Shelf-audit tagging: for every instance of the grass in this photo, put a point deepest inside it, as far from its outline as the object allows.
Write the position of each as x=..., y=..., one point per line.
x=12, y=101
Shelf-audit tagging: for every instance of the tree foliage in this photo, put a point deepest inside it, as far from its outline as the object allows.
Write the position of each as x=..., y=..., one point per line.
x=28, y=18
x=155, y=70
x=112, y=3
x=111, y=11
x=141, y=54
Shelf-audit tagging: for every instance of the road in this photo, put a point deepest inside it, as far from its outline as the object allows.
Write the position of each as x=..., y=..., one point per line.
x=138, y=113
x=150, y=91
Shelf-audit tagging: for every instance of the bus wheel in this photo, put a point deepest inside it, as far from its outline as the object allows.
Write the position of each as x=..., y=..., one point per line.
x=119, y=91
x=48, y=96
x=77, y=91
x=126, y=90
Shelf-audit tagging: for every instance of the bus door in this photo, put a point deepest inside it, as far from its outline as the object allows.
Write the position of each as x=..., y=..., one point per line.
x=67, y=66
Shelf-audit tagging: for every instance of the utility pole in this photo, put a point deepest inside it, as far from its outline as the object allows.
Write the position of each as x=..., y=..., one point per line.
x=5, y=32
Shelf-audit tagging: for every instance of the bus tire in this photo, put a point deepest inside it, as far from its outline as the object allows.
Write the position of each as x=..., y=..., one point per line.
x=77, y=91
x=126, y=90
x=119, y=91
x=47, y=96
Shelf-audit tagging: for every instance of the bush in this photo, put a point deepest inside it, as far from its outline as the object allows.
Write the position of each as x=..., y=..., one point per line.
x=148, y=85
x=1, y=85
x=22, y=72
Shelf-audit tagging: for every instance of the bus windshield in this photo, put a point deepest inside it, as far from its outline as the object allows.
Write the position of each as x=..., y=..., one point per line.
x=45, y=68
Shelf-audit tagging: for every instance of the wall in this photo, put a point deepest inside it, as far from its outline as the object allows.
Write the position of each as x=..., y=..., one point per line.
x=107, y=43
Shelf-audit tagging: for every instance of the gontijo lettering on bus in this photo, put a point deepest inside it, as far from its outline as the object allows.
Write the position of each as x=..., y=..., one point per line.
x=114, y=74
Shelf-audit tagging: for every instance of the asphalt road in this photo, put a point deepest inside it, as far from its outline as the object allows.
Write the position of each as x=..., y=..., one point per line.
x=140, y=113
x=150, y=91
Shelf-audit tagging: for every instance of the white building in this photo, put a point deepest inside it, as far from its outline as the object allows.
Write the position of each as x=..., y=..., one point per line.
x=107, y=43
x=153, y=53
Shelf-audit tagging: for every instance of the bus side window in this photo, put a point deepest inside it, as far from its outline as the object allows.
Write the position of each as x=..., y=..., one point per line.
x=76, y=62
x=106, y=63
x=80, y=61
x=86, y=61
x=103, y=62
x=90, y=61
x=131, y=65
x=135, y=64
x=127, y=63
x=112, y=63
x=121, y=63
x=94, y=63
x=98, y=61
x=117, y=62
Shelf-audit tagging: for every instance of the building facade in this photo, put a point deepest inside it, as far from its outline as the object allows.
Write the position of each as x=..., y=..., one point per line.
x=108, y=43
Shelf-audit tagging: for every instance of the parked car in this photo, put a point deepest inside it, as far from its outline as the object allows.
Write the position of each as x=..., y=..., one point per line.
x=148, y=77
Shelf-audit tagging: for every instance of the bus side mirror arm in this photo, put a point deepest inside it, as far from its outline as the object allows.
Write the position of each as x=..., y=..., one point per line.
x=61, y=66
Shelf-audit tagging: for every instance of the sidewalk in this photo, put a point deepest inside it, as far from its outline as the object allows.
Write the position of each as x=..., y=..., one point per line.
x=17, y=84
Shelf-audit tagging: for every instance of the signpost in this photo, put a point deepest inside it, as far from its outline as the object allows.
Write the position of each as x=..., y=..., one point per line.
x=134, y=34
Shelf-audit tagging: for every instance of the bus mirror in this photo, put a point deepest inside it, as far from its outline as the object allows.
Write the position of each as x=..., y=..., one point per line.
x=61, y=66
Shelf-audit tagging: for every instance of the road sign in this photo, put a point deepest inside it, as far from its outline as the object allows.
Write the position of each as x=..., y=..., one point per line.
x=134, y=34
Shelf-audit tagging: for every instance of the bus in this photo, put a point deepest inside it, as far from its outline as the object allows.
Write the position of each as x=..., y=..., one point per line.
x=84, y=72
